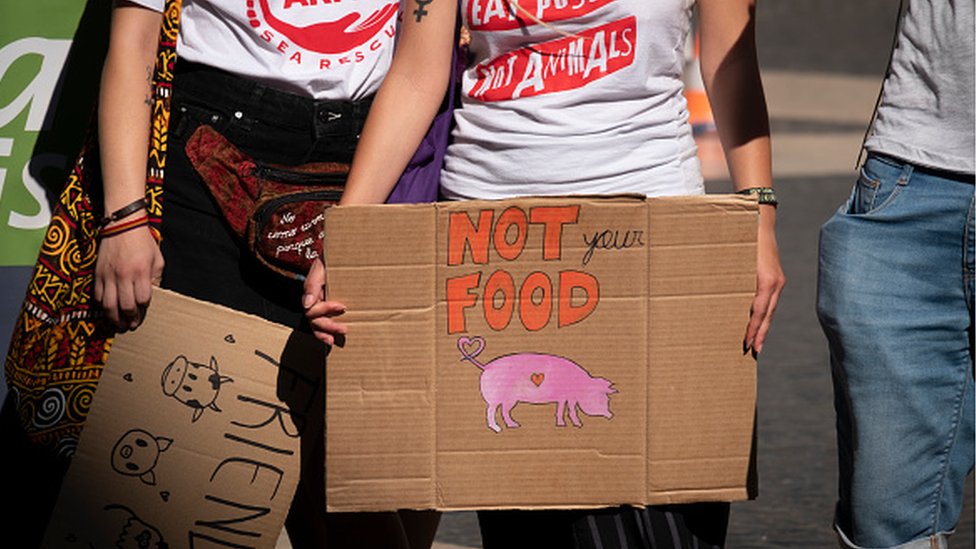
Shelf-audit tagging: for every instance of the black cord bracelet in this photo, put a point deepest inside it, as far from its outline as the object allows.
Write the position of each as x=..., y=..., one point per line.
x=118, y=214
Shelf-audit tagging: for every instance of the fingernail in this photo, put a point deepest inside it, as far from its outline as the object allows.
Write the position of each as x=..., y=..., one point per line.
x=308, y=300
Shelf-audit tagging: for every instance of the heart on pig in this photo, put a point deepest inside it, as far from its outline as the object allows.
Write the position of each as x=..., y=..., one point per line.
x=537, y=378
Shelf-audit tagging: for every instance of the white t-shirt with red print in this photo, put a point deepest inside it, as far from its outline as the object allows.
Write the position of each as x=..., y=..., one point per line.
x=325, y=49
x=588, y=102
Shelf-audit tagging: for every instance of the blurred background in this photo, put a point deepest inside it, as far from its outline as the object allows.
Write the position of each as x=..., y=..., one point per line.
x=822, y=63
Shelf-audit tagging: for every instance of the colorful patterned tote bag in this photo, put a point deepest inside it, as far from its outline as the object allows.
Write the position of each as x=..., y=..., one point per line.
x=59, y=344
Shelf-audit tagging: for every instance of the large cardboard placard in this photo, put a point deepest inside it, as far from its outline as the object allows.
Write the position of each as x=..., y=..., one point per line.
x=541, y=353
x=193, y=436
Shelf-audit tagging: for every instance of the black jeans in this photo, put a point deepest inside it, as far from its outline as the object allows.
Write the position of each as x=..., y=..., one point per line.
x=205, y=260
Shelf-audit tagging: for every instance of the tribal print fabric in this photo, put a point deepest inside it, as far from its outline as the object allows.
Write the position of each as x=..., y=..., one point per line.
x=59, y=345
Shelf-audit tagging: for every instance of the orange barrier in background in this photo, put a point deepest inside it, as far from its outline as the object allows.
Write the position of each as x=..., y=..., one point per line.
x=699, y=109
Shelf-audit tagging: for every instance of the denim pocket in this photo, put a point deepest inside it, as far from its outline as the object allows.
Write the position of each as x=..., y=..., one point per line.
x=878, y=184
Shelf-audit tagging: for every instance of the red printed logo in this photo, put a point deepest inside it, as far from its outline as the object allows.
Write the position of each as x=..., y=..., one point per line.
x=558, y=65
x=326, y=37
x=499, y=15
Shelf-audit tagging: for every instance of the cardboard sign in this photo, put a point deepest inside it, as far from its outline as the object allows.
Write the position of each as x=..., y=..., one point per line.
x=193, y=435
x=541, y=353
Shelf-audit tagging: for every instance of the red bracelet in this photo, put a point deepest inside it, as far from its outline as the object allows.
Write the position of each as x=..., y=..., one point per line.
x=127, y=226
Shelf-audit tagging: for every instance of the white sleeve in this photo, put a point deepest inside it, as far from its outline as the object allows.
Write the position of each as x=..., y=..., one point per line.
x=155, y=5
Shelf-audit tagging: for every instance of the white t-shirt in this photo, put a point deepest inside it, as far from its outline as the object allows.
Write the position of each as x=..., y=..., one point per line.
x=926, y=113
x=326, y=49
x=590, y=102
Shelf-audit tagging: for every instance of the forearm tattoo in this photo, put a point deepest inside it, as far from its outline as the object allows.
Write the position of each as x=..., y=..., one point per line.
x=421, y=10
x=149, y=76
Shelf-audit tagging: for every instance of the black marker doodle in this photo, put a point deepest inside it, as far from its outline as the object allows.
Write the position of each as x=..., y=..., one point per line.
x=137, y=534
x=229, y=338
x=421, y=10
x=612, y=240
x=128, y=377
x=164, y=495
x=136, y=454
x=193, y=384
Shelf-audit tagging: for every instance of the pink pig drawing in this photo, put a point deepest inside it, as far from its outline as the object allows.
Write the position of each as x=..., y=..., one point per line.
x=537, y=379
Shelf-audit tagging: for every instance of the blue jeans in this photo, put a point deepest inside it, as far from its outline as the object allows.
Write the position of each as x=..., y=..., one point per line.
x=895, y=300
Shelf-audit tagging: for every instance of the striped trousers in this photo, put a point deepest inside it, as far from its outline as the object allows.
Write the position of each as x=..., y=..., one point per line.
x=691, y=526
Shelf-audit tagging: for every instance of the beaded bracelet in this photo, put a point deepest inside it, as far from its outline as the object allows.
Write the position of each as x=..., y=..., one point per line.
x=764, y=195
x=118, y=214
x=125, y=227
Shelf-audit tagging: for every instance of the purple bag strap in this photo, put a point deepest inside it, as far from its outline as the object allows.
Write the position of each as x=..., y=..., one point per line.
x=420, y=181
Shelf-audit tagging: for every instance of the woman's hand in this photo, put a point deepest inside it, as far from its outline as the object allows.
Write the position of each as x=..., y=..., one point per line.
x=128, y=265
x=321, y=313
x=770, y=281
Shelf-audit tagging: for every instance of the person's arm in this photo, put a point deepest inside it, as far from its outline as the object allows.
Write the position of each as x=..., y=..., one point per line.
x=403, y=110
x=407, y=101
x=128, y=263
x=730, y=70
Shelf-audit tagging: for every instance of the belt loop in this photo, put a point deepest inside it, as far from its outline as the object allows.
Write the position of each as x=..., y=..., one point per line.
x=907, y=169
x=359, y=106
x=367, y=105
x=362, y=111
x=257, y=95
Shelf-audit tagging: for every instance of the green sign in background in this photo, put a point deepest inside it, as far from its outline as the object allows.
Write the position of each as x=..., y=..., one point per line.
x=51, y=53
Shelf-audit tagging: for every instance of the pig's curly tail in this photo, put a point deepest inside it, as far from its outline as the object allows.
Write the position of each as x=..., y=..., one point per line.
x=471, y=347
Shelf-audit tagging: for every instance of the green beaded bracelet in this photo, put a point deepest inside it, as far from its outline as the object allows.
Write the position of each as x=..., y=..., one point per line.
x=764, y=195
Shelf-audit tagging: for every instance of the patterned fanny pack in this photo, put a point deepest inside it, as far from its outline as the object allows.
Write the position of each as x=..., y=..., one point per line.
x=277, y=211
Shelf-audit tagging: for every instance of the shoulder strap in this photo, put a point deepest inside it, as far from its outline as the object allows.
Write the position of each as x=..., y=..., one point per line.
x=162, y=90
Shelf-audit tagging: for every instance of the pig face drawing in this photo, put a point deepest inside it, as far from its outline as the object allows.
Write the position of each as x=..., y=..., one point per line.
x=537, y=378
x=193, y=384
x=136, y=454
